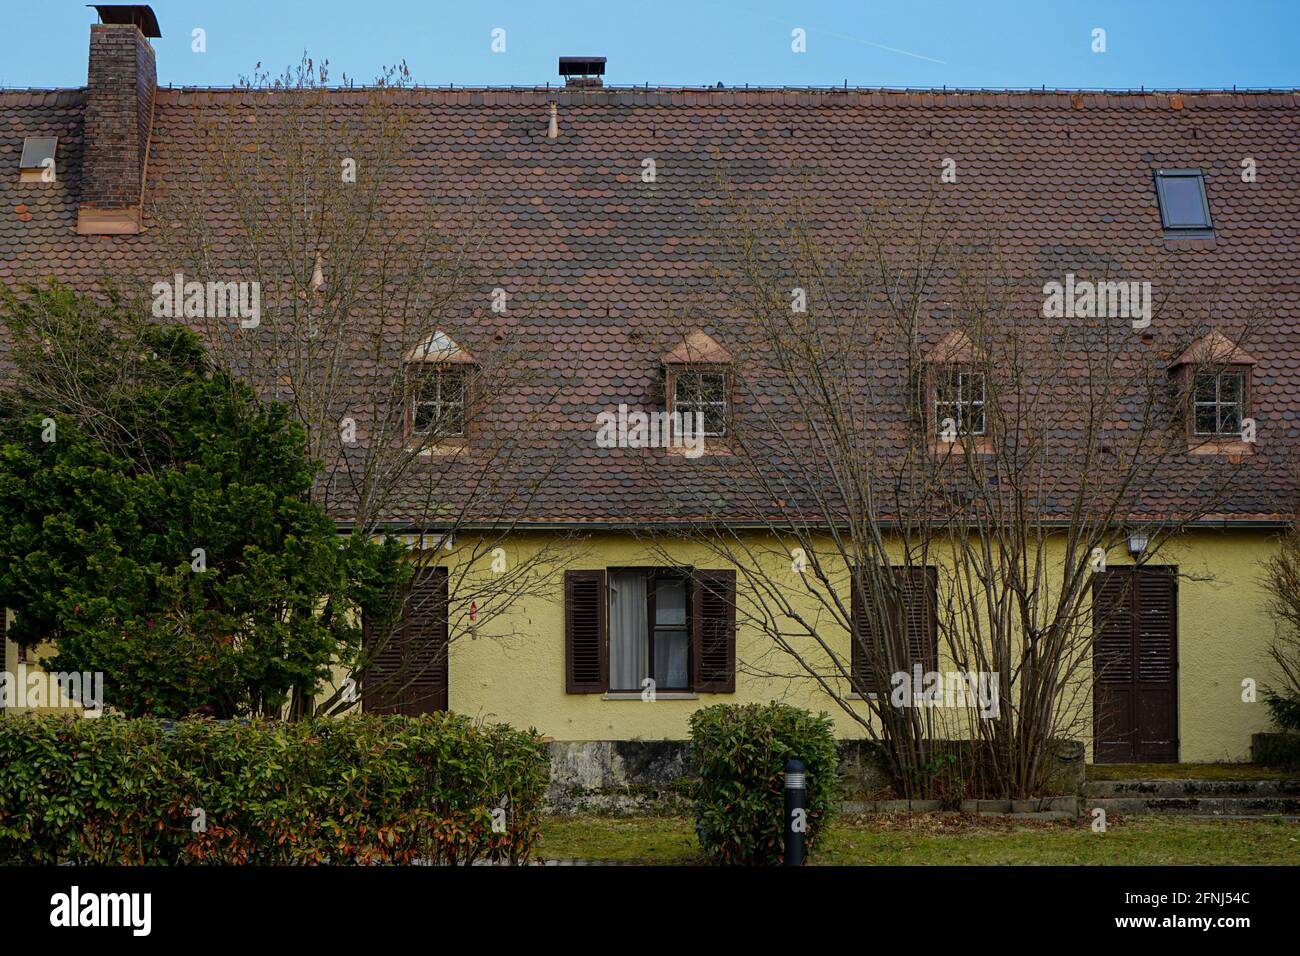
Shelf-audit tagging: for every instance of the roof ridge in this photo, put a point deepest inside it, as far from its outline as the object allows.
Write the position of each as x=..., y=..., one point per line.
x=761, y=88
x=821, y=96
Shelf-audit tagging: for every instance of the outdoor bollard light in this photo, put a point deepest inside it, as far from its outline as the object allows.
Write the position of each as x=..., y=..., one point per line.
x=796, y=813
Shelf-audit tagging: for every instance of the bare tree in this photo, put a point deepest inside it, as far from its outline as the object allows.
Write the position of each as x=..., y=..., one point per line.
x=1281, y=582
x=905, y=421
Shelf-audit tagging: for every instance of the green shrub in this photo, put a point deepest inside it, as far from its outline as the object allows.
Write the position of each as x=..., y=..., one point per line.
x=739, y=754
x=366, y=789
x=95, y=790
x=1284, y=709
x=1276, y=750
x=163, y=459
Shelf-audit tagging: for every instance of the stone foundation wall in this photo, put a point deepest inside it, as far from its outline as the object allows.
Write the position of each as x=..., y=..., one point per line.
x=620, y=776
x=637, y=777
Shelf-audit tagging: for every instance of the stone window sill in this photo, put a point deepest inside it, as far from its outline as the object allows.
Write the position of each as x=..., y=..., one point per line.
x=712, y=447
x=661, y=695
x=959, y=448
x=444, y=447
x=1229, y=448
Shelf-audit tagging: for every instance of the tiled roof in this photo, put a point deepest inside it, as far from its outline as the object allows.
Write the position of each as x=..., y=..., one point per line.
x=1214, y=348
x=698, y=347
x=601, y=266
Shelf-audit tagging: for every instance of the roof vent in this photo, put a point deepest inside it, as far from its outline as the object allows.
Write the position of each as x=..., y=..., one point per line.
x=37, y=162
x=582, y=70
x=140, y=15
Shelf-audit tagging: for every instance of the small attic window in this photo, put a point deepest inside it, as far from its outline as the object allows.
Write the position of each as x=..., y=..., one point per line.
x=438, y=401
x=959, y=400
x=437, y=387
x=37, y=163
x=956, y=411
x=699, y=381
x=1184, y=208
x=1214, y=373
x=1218, y=397
x=702, y=393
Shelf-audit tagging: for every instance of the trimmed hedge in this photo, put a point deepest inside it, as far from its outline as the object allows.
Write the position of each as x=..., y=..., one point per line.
x=739, y=753
x=361, y=790
x=1276, y=750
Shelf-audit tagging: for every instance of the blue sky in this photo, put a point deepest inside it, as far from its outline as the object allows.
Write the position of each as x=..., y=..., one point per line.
x=1152, y=43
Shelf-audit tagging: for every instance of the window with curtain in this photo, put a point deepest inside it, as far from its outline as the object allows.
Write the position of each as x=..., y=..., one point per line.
x=648, y=630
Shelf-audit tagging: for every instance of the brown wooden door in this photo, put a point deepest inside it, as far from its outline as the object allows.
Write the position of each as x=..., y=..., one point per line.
x=1135, y=665
x=409, y=672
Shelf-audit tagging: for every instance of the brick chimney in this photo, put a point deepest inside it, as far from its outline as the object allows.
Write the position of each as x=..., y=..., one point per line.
x=120, y=85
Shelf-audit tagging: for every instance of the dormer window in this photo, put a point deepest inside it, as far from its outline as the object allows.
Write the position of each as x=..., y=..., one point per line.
x=1217, y=401
x=698, y=382
x=438, y=401
x=437, y=387
x=37, y=162
x=959, y=398
x=702, y=394
x=956, y=397
x=1184, y=207
x=1215, y=376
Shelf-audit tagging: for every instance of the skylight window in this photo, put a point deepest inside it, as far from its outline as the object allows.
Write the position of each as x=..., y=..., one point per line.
x=37, y=163
x=1184, y=208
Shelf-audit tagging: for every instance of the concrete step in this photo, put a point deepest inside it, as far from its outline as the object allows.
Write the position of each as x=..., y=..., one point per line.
x=1037, y=808
x=1221, y=807
x=1191, y=788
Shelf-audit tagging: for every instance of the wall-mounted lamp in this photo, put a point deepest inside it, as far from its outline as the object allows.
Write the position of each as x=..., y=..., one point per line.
x=1137, y=543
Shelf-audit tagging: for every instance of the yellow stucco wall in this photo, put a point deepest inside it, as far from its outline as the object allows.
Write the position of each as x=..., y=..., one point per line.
x=21, y=671
x=1223, y=631
x=513, y=669
x=519, y=677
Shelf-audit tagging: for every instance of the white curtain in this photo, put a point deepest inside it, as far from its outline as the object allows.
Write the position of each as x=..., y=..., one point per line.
x=627, y=630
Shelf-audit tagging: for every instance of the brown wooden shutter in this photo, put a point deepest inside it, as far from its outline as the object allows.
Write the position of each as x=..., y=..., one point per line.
x=408, y=673
x=1157, y=601
x=426, y=625
x=862, y=631
x=586, y=633
x=713, y=631
x=921, y=593
x=379, y=680
x=1156, y=683
x=918, y=588
x=1135, y=665
x=1112, y=615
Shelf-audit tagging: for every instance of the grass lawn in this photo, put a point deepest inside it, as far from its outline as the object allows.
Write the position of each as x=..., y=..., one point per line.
x=953, y=839
x=1186, y=771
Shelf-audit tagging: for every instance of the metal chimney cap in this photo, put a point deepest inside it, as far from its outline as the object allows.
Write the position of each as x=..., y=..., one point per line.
x=582, y=66
x=139, y=15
